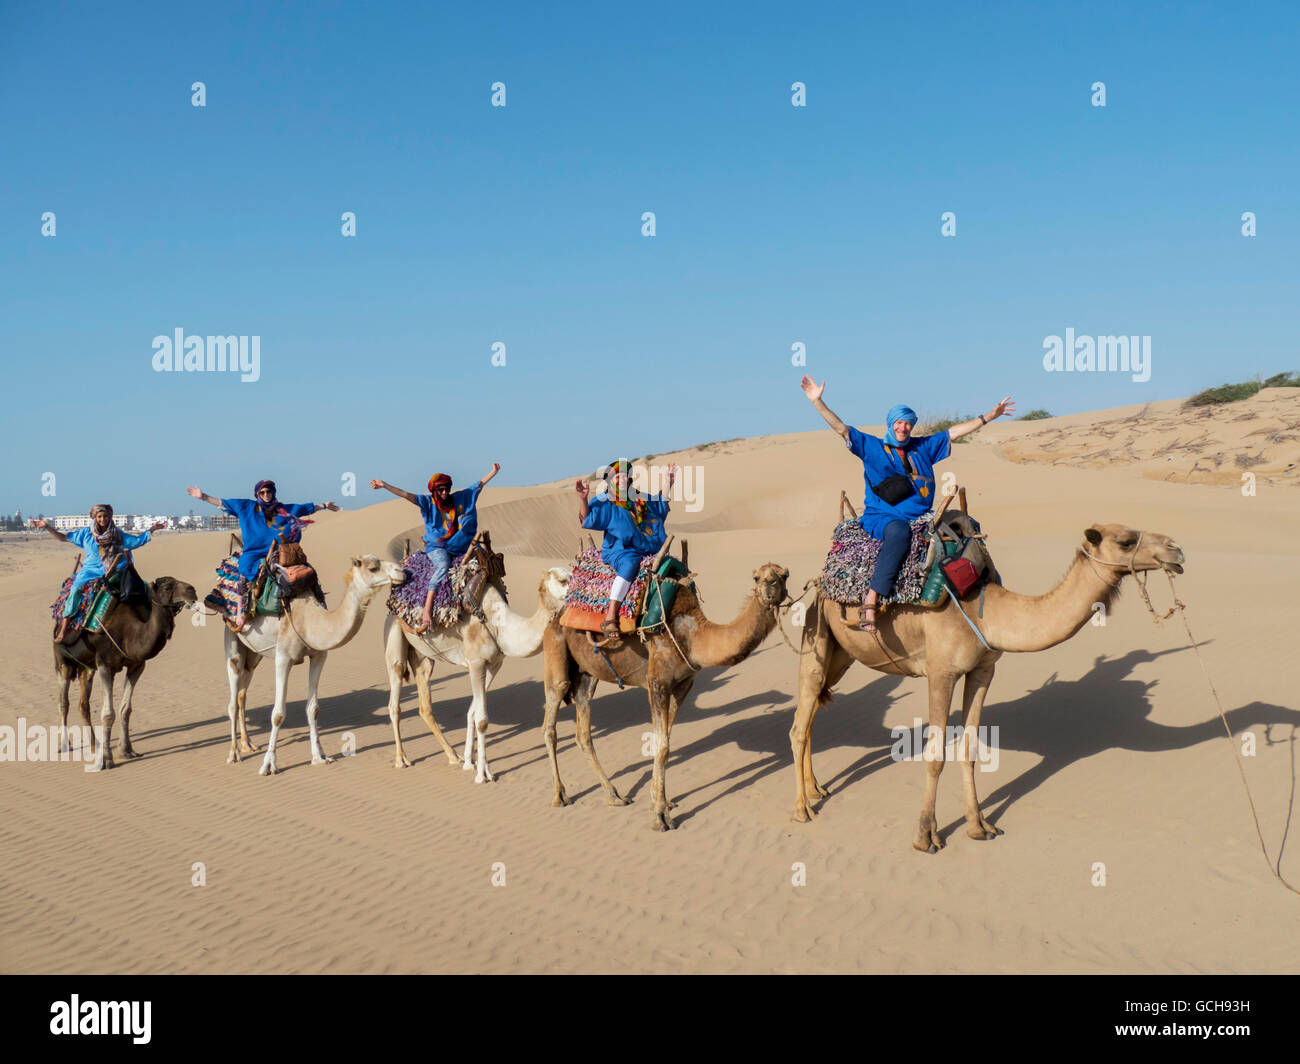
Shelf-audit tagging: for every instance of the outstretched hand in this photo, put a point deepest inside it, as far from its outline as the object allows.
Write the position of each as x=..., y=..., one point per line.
x=582, y=489
x=194, y=492
x=811, y=388
x=1007, y=406
x=376, y=483
x=158, y=526
x=331, y=506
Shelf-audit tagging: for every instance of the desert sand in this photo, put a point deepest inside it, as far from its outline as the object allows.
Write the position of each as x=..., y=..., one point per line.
x=1111, y=751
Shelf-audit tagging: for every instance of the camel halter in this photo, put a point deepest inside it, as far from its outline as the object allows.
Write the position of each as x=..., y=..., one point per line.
x=1274, y=867
x=1140, y=579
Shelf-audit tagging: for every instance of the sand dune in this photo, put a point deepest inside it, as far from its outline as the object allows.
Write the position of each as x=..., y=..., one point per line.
x=1111, y=751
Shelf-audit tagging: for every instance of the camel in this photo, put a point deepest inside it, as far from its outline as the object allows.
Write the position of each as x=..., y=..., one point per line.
x=573, y=666
x=304, y=630
x=130, y=637
x=472, y=645
x=938, y=643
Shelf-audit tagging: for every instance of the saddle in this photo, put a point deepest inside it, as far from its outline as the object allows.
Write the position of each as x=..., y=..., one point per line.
x=285, y=574
x=460, y=592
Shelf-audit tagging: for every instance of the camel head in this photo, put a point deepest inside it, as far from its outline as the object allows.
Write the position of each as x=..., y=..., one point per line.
x=769, y=584
x=1130, y=548
x=553, y=589
x=368, y=574
x=168, y=591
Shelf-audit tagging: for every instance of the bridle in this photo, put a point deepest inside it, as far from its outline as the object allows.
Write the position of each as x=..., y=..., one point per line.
x=1140, y=579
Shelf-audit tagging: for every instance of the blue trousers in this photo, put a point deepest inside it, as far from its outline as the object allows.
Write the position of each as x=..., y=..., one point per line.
x=893, y=549
x=441, y=560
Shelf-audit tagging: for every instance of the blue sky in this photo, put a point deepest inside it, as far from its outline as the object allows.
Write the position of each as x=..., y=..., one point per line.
x=522, y=225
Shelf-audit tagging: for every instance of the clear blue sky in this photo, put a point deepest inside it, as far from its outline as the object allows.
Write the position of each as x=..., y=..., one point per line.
x=522, y=225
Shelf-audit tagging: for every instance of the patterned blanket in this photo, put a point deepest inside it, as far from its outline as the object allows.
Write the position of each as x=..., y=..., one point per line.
x=85, y=603
x=407, y=601
x=230, y=597
x=852, y=559
x=590, y=583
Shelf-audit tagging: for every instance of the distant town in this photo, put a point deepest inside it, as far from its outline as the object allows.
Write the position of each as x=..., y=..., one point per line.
x=191, y=522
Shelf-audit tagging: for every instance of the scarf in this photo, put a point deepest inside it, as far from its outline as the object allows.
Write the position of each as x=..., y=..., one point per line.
x=109, y=542
x=293, y=524
x=442, y=500
x=898, y=412
x=637, y=508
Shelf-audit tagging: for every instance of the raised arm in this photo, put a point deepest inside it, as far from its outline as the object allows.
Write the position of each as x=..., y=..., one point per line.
x=42, y=522
x=814, y=392
x=496, y=468
x=197, y=494
x=1007, y=406
x=377, y=484
x=583, y=509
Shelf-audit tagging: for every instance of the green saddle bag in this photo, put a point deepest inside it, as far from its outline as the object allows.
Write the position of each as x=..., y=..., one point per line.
x=268, y=599
x=662, y=592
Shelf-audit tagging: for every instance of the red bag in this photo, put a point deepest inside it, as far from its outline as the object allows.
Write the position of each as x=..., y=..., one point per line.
x=961, y=575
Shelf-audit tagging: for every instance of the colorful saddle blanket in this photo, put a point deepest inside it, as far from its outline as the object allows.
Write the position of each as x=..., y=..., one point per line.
x=93, y=604
x=407, y=602
x=852, y=560
x=230, y=597
x=588, y=598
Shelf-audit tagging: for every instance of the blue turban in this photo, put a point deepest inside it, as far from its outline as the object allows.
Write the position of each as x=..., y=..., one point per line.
x=897, y=413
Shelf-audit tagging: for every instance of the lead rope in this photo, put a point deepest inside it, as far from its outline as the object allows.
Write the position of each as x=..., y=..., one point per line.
x=1274, y=868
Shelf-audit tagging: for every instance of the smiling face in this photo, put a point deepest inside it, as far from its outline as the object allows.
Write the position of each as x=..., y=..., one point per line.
x=618, y=481
x=102, y=520
x=902, y=430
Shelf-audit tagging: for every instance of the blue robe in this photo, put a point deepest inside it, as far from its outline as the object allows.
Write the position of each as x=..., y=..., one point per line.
x=625, y=545
x=257, y=532
x=92, y=565
x=878, y=464
x=435, y=521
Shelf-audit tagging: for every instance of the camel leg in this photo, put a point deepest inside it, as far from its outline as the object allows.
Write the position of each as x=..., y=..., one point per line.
x=815, y=661
x=423, y=672
x=236, y=677
x=282, y=667
x=132, y=675
x=250, y=662
x=839, y=664
x=477, y=724
x=62, y=682
x=86, y=680
x=927, y=829
x=976, y=687
x=659, y=711
x=104, y=758
x=315, y=665
x=555, y=683
x=582, y=696
x=395, y=656
x=675, y=700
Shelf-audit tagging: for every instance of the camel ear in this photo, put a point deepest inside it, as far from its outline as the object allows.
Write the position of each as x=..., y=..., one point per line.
x=356, y=562
x=1092, y=536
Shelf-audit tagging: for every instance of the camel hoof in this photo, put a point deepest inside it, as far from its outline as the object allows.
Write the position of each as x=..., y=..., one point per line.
x=466, y=766
x=819, y=790
x=452, y=759
x=99, y=766
x=247, y=748
x=129, y=752
x=983, y=833
x=561, y=799
x=323, y=759
x=802, y=815
x=401, y=762
x=934, y=849
x=618, y=799
x=267, y=770
x=662, y=822
x=233, y=757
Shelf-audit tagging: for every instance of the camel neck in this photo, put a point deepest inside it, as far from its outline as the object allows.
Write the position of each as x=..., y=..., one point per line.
x=1019, y=623
x=714, y=644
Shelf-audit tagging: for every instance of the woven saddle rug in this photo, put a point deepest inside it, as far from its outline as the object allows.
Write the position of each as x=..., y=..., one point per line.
x=85, y=603
x=407, y=602
x=590, y=583
x=228, y=598
x=852, y=560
